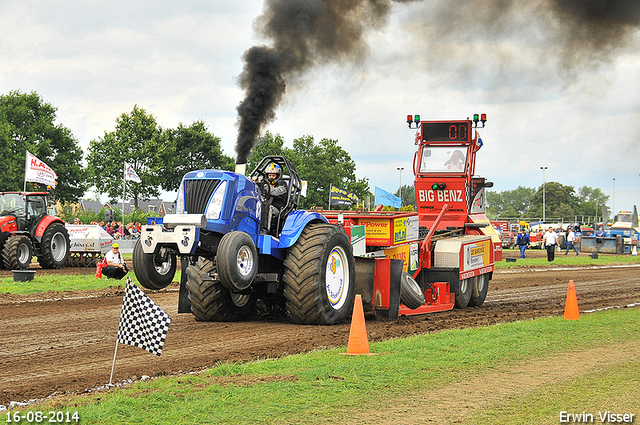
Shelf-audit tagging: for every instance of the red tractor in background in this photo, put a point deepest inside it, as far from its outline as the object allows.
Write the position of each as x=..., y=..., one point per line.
x=26, y=230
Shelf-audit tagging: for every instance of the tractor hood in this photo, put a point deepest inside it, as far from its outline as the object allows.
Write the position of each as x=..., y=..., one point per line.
x=8, y=223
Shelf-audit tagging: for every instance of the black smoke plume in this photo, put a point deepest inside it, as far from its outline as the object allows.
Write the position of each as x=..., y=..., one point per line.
x=306, y=33
x=303, y=33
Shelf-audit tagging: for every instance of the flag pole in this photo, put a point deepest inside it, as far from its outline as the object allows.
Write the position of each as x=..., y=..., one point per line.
x=124, y=189
x=330, y=189
x=113, y=366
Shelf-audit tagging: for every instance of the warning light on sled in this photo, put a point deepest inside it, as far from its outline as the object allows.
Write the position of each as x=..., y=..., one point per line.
x=413, y=119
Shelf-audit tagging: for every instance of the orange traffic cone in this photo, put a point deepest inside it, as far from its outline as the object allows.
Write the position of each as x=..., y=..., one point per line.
x=571, y=307
x=358, y=341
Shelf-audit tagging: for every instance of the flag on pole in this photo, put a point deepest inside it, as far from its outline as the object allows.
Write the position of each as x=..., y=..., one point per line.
x=386, y=198
x=130, y=173
x=339, y=196
x=142, y=323
x=39, y=172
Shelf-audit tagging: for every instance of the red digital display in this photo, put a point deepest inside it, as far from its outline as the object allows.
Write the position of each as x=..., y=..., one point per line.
x=453, y=131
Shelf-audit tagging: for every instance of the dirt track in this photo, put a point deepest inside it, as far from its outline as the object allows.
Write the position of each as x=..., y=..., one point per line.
x=64, y=342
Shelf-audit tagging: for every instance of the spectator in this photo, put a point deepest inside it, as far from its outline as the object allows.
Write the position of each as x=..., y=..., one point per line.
x=550, y=241
x=571, y=241
x=134, y=231
x=523, y=242
x=116, y=267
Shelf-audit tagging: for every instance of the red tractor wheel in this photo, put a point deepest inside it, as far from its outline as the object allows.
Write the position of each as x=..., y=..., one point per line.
x=54, y=247
x=17, y=252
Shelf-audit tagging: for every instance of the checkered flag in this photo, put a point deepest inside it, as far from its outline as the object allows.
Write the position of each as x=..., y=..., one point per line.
x=142, y=323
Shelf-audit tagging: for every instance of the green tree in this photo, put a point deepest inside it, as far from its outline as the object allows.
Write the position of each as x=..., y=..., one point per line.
x=138, y=141
x=560, y=202
x=192, y=148
x=267, y=145
x=509, y=203
x=591, y=201
x=408, y=196
x=27, y=124
x=322, y=165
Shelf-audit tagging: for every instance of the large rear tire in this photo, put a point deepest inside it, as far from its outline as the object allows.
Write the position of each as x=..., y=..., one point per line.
x=237, y=261
x=152, y=271
x=319, y=274
x=17, y=252
x=482, y=282
x=211, y=301
x=463, y=293
x=55, y=247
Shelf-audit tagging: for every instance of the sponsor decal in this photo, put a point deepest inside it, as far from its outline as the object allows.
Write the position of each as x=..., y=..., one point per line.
x=447, y=195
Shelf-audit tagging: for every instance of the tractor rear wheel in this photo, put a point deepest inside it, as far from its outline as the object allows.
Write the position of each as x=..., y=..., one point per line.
x=55, y=247
x=153, y=272
x=211, y=301
x=17, y=252
x=463, y=293
x=482, y=282
x=319, y=274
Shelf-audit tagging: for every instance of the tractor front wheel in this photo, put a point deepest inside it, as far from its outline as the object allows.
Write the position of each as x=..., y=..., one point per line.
x=237, y=261
x=211, y=301
x=154, y=271
x=319, y=274
x=17, y=252
x=55, y=247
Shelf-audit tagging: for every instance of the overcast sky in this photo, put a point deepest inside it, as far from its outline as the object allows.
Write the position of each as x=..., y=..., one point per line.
x=552, y=98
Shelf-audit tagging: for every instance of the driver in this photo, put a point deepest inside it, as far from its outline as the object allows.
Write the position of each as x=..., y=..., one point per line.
x=274, y=192
x=456, y=162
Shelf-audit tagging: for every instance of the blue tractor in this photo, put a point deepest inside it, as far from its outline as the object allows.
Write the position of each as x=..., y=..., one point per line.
x=238, y=258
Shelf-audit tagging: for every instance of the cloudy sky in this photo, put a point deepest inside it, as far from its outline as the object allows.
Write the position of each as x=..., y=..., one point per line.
x=560, y=84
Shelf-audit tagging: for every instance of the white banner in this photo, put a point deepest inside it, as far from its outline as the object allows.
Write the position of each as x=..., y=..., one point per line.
x=130, y=173
x=39, y=172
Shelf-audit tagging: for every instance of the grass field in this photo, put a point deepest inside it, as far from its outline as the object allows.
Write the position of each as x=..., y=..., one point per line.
x=513, y=373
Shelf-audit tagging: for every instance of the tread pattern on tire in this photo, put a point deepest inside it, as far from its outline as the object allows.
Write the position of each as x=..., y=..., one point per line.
x=10, y=252
x=46, y=259
x=303, y=271
x=210, y=300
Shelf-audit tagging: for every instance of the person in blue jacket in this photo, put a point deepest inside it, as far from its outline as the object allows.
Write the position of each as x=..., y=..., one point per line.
x=523, y=242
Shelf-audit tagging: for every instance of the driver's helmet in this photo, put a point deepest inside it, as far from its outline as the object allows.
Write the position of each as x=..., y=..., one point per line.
x=273, y=168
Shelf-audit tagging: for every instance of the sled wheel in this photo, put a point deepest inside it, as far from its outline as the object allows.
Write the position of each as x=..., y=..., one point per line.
x=211, y=301
x=152, y=270
x=17, y=252
x=54, y=247
x=237, y=261
x=482, y=283
x=319, y=276
x=463, y=293
x=410, y=293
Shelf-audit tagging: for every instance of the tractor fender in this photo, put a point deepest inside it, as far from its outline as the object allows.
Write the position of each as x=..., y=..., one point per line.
x=295, y=224
x=44, y=223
